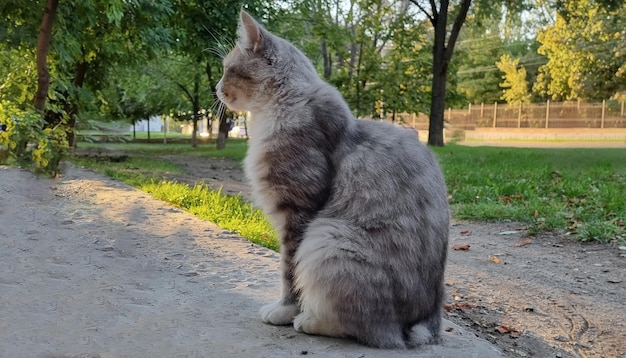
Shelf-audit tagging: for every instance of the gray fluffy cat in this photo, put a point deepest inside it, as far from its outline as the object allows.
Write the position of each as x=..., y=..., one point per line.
x=360, y=206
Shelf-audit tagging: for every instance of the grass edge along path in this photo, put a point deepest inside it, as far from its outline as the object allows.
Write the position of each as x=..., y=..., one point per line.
x=227, y=211
x=581, y=192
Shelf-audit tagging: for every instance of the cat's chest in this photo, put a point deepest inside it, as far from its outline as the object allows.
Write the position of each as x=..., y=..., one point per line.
x=256, y=165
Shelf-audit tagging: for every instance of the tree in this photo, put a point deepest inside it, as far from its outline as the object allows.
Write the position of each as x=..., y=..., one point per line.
x=585, y=52
x=445, y=37
x=442, y=50
x=514, y=84
x=368, y=49
x=480, y=43
x=404, y=77
x=191, y=24
x=88, y=39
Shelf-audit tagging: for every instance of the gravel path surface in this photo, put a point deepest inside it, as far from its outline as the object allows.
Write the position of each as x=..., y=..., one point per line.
x=90, y=267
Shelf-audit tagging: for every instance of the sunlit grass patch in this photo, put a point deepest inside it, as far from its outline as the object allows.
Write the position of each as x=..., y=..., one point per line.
x=229, y=212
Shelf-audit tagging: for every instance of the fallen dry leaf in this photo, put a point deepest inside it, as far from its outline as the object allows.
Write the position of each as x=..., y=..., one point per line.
x=506, y=329
x=524, y=242
x=465, y=233
x=495, y=260
x=461, y=247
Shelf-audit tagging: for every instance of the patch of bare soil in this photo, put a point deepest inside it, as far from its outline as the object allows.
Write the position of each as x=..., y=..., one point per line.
x=542, y=296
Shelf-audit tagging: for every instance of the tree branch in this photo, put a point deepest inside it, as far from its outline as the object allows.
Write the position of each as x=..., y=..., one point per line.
x=182, y=87
x=456, y=29
x=432, y=18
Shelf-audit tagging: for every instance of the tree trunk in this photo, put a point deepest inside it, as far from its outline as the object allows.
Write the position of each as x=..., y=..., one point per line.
x=43, y=44
x=437, y=108
x=71, y=108
x=196, y=110
x=442, y=54
x=328, y=65
x=222, y=134
x=223, y=131
x=440, y=68
x=194, y=130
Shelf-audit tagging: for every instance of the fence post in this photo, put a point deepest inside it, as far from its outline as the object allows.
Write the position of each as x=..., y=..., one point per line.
x=547, y=112
x=413, y=117
x=519, y=116
x=622, y=111
x=450, y=114
x=603, y=110
x=469, y=109
x=495, y=113
x=482, y=109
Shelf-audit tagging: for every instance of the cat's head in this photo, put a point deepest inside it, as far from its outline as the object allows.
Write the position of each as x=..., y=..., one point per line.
x=262, y=69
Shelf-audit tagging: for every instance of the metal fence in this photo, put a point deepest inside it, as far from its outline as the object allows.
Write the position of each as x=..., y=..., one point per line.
x=607, y=114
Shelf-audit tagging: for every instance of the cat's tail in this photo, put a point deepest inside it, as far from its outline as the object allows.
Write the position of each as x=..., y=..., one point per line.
x=424, y=332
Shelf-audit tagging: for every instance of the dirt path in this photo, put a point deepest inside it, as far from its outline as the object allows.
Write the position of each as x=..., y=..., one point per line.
x=90, y=267
x=547, y=296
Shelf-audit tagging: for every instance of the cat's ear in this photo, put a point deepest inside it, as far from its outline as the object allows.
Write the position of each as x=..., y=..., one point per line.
x=249, y=31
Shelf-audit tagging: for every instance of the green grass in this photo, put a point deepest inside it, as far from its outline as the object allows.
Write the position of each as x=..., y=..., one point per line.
x=135, y=171
x=230, y=212
x=147, y=174
x=235, y=149
x=581, y=191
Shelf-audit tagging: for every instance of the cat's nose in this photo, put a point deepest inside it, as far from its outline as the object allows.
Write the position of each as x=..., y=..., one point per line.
x=219, y=89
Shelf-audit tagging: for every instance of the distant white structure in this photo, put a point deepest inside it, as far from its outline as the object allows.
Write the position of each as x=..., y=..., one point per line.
x=156, y=125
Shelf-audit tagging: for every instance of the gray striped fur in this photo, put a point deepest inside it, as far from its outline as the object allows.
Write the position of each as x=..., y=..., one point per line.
x=360, y=206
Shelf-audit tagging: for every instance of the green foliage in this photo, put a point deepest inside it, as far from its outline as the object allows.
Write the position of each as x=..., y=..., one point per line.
x=514, y=80
x=585, y=51
x=27, y=140
x=17, y=75
x=50, y=149
x=489, y=33
x=372, y=51
x=404, y=79
x=478, y=76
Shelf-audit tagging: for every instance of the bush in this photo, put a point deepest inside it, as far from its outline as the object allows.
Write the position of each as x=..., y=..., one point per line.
x=28, y=142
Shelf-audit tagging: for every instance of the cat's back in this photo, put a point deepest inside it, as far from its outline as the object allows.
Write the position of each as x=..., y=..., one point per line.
x=384, y=172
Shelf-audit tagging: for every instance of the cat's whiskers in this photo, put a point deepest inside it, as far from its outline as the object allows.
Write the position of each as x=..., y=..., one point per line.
x=218, y=107
x=222, y=44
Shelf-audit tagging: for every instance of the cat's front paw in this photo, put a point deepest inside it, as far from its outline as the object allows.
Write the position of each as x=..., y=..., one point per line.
x=279, y=314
